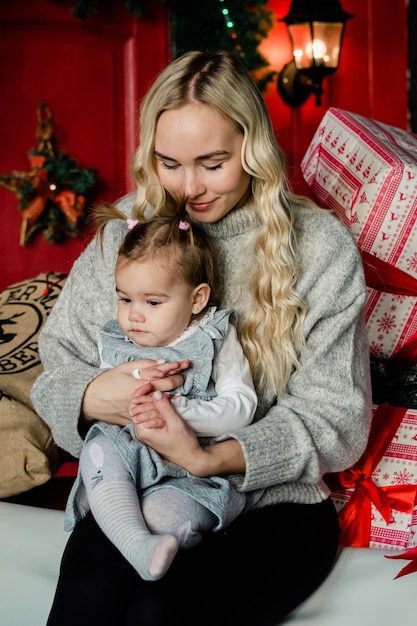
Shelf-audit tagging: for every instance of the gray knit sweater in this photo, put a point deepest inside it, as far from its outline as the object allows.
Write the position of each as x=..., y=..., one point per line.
x=320, y=425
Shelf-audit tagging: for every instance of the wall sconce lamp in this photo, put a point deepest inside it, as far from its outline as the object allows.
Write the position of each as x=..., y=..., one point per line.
x=316, y=29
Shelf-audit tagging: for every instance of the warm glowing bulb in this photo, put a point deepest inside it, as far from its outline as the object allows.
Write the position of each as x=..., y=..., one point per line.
x=319, y=49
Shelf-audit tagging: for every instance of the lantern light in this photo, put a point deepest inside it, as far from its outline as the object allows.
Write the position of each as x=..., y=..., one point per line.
x=316, y=29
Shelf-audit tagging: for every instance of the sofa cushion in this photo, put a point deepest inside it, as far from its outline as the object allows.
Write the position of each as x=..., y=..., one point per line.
x=28, y=455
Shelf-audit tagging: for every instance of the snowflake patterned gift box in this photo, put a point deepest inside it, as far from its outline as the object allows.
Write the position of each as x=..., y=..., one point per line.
x=377, y=497
x=366, y=172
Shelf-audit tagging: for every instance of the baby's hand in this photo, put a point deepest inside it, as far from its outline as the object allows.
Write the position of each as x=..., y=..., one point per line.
x=159, y=369
x=142, y=409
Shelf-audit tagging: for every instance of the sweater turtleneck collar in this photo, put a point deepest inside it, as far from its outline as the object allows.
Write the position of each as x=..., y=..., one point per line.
x=236, y=222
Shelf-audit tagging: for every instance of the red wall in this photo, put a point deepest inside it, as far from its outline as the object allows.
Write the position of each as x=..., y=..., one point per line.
x=93, y=75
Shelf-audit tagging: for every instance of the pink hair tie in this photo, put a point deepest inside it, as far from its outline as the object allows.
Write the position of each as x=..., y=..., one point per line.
x=183, y=225
x=131, y=223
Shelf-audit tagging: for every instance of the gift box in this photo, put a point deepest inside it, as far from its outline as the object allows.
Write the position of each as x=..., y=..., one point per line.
x=391, y=307
x=366, y=172
x=377, y=497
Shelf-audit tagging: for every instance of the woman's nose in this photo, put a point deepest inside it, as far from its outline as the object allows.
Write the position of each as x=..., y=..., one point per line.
x=193, y=185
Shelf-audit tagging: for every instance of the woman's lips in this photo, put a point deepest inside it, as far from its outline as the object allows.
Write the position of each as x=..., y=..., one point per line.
x=200, y=206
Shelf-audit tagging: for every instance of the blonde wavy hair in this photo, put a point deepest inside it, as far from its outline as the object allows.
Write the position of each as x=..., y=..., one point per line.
x=275, y=314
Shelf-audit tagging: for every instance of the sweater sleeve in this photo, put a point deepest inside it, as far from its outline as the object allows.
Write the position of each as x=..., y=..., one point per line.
x=321, y=423
x=68, y=341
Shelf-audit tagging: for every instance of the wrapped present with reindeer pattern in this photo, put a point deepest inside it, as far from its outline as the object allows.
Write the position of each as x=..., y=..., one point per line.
x=377, y=497
x=366, y=172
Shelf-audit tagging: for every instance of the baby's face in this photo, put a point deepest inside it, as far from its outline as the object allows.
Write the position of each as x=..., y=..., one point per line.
x=154, y=306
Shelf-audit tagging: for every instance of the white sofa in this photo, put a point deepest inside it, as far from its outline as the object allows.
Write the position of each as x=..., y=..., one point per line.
x=360, y=591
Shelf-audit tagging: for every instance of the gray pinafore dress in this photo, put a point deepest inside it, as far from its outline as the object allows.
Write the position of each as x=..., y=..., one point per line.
x=144, y=466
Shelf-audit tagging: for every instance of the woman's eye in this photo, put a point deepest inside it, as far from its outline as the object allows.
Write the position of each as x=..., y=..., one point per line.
x=209, y=168
x=212, y=168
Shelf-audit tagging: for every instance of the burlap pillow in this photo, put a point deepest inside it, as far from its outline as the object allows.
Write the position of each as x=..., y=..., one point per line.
x=28, y=455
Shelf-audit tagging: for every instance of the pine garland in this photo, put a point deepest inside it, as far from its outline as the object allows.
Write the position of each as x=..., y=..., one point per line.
x=236, y=25
x=85, y=9
x=394, y=382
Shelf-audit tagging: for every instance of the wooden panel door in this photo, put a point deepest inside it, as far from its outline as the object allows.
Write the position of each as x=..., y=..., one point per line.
x=92, y=75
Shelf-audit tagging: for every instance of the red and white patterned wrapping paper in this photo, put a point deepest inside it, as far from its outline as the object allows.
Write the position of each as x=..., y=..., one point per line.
x=377, y=498
x=366, y=172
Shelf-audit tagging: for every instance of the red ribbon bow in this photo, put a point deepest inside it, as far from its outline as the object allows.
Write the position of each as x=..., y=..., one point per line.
x=70, y=204
x=355, y=517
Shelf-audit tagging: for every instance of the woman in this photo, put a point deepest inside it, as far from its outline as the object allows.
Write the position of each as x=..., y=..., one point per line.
x=293, y=274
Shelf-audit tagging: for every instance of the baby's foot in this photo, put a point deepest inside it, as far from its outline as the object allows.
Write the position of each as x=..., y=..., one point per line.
x=162, y=556
x=187, y=536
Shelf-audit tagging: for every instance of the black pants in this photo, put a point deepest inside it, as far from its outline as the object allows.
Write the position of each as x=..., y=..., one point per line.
x=253, y=573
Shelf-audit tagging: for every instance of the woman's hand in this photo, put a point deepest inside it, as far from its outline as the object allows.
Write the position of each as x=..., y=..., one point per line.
x=159, y=426
x=107, y=397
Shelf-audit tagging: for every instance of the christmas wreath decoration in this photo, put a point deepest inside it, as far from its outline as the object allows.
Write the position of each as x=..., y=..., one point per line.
x=52, y=195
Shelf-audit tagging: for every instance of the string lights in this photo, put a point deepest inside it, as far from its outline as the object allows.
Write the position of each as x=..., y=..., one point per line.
x=228, y=20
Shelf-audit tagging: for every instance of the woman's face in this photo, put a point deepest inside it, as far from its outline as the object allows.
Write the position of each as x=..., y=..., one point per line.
x=198, y=155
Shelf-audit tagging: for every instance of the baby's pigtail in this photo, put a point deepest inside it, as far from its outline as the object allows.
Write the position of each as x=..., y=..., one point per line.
x=101, y=214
